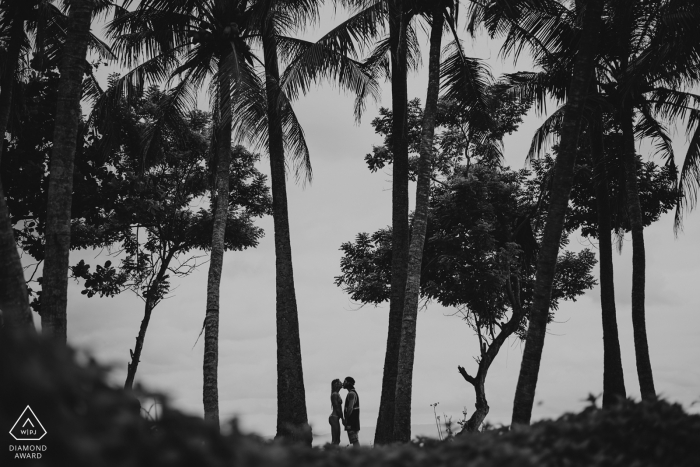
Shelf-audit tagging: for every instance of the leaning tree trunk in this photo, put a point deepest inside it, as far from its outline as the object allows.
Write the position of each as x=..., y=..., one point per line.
x=135, y=354
x=404, y=378
x=584, y=67
x=384, y=433
x=220, y=204
x=60, y=192
x=641, y=346
x=488, y=356
x=151, y=302
x=292, y=422
x=14, y=302
x=613, y=377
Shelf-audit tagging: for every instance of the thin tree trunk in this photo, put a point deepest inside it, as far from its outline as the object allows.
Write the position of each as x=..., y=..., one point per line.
x=292, y=422
x=14, y=302
x=151, y=302
x=404, y=379
x=384, y=433
x=641, y=345
x=613, y=376
x=220, y=204
x=583, y=71
x=60, y=192
x=133, y=365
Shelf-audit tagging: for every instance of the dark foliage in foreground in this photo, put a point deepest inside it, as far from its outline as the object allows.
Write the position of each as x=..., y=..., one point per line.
x=90, y=423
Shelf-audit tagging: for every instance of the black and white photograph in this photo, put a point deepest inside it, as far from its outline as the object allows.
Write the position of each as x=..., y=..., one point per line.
x=243, y=233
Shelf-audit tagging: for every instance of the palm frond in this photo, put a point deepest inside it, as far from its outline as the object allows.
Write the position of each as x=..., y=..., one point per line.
x=314, y=62
x=466, y=81
x=649, y=127
x=546, y=134
x=689, y=181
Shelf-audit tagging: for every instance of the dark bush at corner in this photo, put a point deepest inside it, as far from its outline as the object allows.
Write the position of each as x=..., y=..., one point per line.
x=90, y=423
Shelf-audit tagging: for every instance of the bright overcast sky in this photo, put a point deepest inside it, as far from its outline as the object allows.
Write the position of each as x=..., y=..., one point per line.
x=339, y=338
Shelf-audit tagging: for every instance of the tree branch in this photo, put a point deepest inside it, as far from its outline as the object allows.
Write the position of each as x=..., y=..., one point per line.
x=470, y=379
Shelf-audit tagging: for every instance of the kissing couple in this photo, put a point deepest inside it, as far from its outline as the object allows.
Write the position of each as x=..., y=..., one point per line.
x=350, y=416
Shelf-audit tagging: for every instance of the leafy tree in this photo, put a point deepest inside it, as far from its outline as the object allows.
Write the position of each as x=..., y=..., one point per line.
x=479, y=256
x=152, y=224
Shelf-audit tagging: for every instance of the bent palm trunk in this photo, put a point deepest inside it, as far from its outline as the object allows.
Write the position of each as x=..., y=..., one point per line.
x=404, y=379
x=220, y=203
x=641, y=345
x=60, y=192
x=613, y=377
x=384, y=433
x=583, y=71
x=292, y=422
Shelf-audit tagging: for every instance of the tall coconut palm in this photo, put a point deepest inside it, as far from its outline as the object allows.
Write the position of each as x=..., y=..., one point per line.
x=217, y=35
x=613, y=377
x=583, y=74
x=194, y=41
x=466, y=81
x=404, y=379
x=650, y=82
x=60, y=191
x=14, y=302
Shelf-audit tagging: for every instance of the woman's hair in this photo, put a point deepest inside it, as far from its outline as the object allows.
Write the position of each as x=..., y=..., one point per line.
x=335, y=383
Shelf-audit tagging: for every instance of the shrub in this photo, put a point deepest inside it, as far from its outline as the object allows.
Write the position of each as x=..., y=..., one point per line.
x=90, y=423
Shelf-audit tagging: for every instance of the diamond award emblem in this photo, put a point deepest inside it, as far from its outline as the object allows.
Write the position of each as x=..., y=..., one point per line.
x=28, y=427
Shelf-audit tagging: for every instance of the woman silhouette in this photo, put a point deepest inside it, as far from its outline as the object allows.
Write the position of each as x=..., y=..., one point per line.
x=336, y=411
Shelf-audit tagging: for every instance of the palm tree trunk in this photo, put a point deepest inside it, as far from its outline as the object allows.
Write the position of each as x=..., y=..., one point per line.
x=613, y=376
x=404, y=379
x=292, y=422
x=8, y=75
x=14, y=302
x=641, y=346
x=220, y=206
x=583, y=71
x=384, y=433
x=60, y=192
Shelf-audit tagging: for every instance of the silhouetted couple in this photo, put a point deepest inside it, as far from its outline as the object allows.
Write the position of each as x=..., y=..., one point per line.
x=350, y=416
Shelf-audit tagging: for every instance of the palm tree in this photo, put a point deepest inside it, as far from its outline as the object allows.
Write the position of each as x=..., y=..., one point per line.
x=205, y=38
x=216, y=35
x=651, y=68
x=613, y=377
x=583, y=74
x=404, y=380
x=60, y=190
x=466, y=81
x=14, y=301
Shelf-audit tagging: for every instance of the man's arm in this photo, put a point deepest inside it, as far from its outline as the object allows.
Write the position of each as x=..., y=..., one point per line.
x=349, y=404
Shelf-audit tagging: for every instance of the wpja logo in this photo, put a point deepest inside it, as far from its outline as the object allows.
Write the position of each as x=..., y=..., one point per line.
x=28, y=428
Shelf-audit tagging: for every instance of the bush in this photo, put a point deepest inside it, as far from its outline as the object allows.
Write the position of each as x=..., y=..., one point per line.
x=90, y=423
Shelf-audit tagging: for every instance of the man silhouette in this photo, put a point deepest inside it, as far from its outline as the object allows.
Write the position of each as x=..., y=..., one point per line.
x=351, y=418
